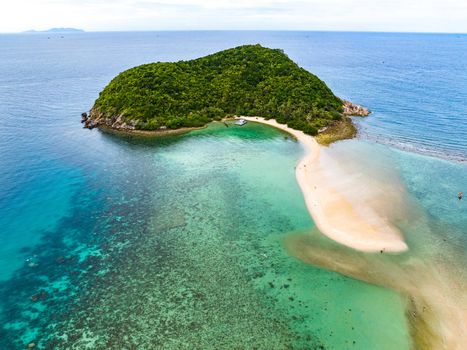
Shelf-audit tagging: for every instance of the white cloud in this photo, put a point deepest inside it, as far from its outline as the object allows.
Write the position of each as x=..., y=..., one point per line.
x=371, y=15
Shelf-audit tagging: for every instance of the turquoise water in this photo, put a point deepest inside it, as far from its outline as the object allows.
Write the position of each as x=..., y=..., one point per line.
x=114, y=242
x=182, y=251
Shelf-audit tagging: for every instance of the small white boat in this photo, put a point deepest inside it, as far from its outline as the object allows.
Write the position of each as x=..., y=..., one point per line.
x=241, y=122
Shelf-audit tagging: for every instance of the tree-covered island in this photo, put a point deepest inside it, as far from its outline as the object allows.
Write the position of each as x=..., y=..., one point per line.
x=247, y=80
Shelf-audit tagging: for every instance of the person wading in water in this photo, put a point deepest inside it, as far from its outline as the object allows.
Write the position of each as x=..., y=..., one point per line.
x=459, y=195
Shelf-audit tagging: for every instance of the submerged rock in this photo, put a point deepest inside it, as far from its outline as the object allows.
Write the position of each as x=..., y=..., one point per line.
x=84, y=117
x=39, y=296
x=60, y=259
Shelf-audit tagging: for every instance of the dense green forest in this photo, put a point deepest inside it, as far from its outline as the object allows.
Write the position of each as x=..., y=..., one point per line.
x=247, y=80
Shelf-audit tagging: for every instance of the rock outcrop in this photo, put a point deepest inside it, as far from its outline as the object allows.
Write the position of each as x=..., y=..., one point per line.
x=352, y=109
x=95, y=119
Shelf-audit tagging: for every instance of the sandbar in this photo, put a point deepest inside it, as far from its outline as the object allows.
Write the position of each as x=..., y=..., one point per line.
x=335, y=215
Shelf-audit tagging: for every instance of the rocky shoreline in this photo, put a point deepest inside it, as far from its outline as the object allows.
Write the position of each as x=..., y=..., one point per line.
x=115, y=125
x=94, y=119
x=353, y=110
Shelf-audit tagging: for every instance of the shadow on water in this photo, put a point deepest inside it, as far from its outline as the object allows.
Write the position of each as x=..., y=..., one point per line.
x=250, y=131
x=134, y=140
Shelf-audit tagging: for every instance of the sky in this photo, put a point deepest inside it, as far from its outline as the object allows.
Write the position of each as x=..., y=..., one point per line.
x=336, y=15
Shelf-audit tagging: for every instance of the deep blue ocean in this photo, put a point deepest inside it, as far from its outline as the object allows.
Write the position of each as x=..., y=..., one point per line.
x=63, y=188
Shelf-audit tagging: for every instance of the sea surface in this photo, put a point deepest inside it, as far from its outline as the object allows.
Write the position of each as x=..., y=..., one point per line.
x=110, y=242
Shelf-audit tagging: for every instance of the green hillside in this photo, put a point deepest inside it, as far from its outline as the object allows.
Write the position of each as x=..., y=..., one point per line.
x=247, y=80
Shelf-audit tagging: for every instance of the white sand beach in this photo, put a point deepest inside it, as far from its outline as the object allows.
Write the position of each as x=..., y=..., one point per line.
x=334, y=214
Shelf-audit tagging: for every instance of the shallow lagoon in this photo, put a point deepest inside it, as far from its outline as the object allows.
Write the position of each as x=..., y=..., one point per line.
x=188, y=252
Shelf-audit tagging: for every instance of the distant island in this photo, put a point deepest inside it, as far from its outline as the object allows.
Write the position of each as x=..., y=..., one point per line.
x=249, y=80
x=56, y=30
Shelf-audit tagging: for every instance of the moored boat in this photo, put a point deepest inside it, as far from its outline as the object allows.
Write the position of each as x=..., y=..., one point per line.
x=241, y=122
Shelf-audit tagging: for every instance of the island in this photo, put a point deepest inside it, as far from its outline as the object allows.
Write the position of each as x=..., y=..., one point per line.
x=248, y=80
x=56, y=30
x=261, y=85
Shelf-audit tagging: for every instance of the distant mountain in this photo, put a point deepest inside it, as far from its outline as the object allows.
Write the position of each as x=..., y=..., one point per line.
x=56, y=30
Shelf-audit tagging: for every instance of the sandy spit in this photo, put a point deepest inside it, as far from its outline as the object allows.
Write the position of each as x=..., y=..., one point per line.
x=334, y=214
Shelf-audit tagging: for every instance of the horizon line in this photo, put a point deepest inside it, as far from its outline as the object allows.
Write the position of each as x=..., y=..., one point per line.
x=83, y=31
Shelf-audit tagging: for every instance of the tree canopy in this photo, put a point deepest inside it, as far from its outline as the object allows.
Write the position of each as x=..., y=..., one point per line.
x=247, y=80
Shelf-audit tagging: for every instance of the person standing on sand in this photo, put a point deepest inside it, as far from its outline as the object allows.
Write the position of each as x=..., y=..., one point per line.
x=459, y=195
